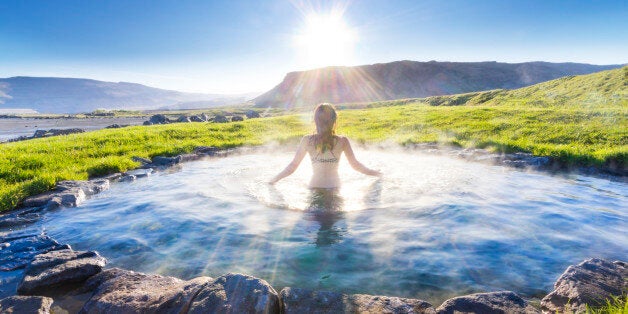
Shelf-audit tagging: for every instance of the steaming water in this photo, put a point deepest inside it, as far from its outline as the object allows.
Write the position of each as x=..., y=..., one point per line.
x=431, y=228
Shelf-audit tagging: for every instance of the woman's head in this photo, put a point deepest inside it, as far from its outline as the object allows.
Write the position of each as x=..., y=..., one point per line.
x=325, y=120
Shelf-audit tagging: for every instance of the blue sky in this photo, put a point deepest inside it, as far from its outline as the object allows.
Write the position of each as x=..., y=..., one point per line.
x=246, y=46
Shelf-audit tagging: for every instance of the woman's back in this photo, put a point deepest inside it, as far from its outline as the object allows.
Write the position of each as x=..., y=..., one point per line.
x=324, y=163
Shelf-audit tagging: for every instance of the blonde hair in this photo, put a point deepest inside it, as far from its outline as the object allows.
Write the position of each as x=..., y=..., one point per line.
x=325, y=119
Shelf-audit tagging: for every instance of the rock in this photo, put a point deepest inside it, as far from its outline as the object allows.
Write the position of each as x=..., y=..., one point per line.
x=24, y=304
x=69, y=198
x=166, y=161
x=19, y=249
x=141, y=160
x=90, y=187
x=516, y=163
x=297, y=300
x=158, y=119
x=220, y=119
x=56, y=132
x=147, y=123
x=250, y=114
x=59, y=268
x=20, y=217
x=128, y=178
x=188, y=157
x=117, y=126
x=204, y=117
x=235, y=293
x=184, y=119
x=113, y=177
x=123, y=291
x=237, y=118
x=590, y=282
x=197, y=119
x=68, y=193
x=492, y=302
x=139, y=173
x=205, y=150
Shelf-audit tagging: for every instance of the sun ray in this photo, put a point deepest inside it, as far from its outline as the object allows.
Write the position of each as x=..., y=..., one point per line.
x=325, y=39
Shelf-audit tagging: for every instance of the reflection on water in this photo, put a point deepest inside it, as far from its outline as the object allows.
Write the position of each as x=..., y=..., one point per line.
x=431, y=228
x=326, y=207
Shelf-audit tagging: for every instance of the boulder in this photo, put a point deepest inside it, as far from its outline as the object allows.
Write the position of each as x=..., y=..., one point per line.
x=159, y=119
x=205, y=150
x=18, y=249
x=165, y=161
x=250, y=114
x=493, y=302
x=128, y=178
x=184, y=119
x=117, y=126
x=25, y=304
x=197, y=119
x=297, y=300
x=237, y=118
x=90, y=187
x=123, y=291
x=59, y=268
x=590, y=282
x=56, y=132
x=188, y=157
x=70, y=197
x=138, y=173
x=141, y=160
x=235, y=293
x=113, y=177
x=220, y=119
x=147, y=123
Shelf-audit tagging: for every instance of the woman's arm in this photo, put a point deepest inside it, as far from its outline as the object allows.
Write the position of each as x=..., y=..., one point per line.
x=294, y=164
x=355, y=164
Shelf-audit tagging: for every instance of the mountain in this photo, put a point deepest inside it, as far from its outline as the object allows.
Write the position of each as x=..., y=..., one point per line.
x=72, y=95
x=411, y=79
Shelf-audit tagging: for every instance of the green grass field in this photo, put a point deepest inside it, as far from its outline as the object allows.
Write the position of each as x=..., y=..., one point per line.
x=579, y=121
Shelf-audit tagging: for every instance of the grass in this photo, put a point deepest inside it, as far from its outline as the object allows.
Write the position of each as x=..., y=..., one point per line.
x=579, y=121
x=614, y=305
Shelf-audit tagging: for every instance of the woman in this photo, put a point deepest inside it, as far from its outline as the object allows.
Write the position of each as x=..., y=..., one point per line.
x=324, y=148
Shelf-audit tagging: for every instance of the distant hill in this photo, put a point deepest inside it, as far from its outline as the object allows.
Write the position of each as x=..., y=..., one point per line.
x=411, y=79
x=72, y=95
x=604, y=89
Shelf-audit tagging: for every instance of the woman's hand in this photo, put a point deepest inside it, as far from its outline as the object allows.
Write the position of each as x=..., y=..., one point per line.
x=376, y=173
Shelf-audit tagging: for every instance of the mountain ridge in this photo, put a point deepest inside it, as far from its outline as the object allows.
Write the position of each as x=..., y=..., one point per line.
x=412, y=79
x=73, y=95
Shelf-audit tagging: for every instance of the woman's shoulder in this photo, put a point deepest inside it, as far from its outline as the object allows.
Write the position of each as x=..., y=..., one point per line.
x=342, y=140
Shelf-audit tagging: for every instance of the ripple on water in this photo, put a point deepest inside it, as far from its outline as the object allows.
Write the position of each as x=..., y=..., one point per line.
x=432, y=228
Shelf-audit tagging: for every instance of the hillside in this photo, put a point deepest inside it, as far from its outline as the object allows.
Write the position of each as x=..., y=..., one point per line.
x=411, y=79
x=72, y=95
x=597, y=90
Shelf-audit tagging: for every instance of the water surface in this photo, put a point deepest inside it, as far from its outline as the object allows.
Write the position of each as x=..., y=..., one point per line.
x=431, y=228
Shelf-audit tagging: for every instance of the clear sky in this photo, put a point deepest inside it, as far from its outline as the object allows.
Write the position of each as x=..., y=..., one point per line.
x=236, y=46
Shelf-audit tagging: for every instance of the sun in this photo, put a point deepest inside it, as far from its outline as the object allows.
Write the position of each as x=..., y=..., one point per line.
x=325, y=40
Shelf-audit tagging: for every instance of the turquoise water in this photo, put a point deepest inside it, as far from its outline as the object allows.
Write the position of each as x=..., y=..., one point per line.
x=431, y=228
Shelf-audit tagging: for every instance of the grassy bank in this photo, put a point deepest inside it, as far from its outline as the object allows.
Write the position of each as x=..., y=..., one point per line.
x=535, y=119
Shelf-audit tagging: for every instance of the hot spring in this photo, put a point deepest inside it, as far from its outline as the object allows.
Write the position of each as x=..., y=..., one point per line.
x=432, y=227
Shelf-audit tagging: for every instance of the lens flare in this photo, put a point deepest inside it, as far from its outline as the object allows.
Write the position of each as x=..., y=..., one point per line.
x=325, y=40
